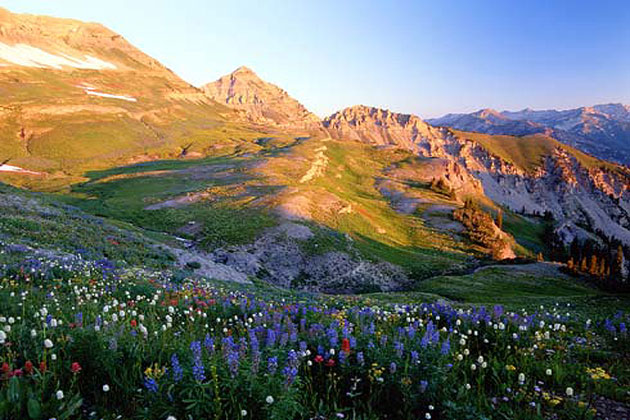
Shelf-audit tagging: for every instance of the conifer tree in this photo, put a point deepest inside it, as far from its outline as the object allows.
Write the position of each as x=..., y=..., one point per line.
x=593, y=268
x=617, y=268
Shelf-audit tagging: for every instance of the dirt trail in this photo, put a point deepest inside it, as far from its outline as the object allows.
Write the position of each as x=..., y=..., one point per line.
x=318, y=167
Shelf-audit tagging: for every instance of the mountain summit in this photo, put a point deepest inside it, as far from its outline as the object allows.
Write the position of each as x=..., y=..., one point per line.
x=263, y=103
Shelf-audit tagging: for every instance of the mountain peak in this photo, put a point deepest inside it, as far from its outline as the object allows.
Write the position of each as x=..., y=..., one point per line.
x=378, y=126
x=244, y=70
x=489, y=113
x=262, y=102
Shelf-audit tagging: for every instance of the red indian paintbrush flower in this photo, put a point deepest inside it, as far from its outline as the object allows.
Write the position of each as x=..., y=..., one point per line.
x=42, y=366
x=75, y=367
x=318, y=358
x=134, y=323
x=28, y=367
x=345, y=345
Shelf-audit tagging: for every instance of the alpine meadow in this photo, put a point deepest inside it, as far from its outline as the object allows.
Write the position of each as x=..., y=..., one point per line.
x=171, y=251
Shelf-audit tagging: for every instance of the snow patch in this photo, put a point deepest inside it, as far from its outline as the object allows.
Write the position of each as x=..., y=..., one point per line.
x=29, y=56
x=109, y=95
x=11, y=168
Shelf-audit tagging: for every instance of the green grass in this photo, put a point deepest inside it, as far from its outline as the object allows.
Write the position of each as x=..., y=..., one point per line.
x=506, y=285
x=528, y=152
x=527, y=231
x=126, y=199
x=41, y=222
x=378, y=230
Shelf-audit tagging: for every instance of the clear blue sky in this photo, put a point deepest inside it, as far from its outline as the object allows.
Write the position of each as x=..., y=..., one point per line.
x=425, y=57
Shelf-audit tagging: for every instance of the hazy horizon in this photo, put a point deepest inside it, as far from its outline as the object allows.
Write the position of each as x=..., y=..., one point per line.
x=425, y=58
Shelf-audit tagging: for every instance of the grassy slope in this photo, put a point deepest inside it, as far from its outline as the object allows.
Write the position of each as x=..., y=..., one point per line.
x=377, y=228
x=25, y=216
x=124, y=193
x=69, y=132
x=528, y=152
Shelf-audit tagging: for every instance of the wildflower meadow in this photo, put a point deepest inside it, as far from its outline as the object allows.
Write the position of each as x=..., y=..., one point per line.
x=107, y=344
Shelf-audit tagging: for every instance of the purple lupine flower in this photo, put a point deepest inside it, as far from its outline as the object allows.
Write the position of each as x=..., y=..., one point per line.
x=353, y=341
x=414, y=357
x=292, y=358
x=425, y=340
x=198, y=369
x=392, y=367
x=331, y=333
x=303, y=346
x=360, y=358
x=150, y=385
x=178, y=372
x=411, y=332
x=423, y=386
x=446, y=346
x=272, y=365
x=399, y=347
x=233, y=363
x=284, y=338
x=290, y=373
x=271, y=338
x=320, y=349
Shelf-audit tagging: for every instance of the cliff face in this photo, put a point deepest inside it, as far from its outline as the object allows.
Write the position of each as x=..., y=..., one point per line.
x=584, y=194
x=262, y=103
x=379, y=127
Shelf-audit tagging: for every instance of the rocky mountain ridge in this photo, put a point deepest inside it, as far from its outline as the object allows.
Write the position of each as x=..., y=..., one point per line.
x=583, y=194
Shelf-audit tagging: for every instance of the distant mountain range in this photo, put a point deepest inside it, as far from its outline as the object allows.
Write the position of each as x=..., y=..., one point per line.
x=601, y=130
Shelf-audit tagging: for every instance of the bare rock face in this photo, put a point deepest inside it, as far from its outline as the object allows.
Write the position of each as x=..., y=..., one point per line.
x=379, y=127
x=262, y=103
x=580, y=191
x=278, y=257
